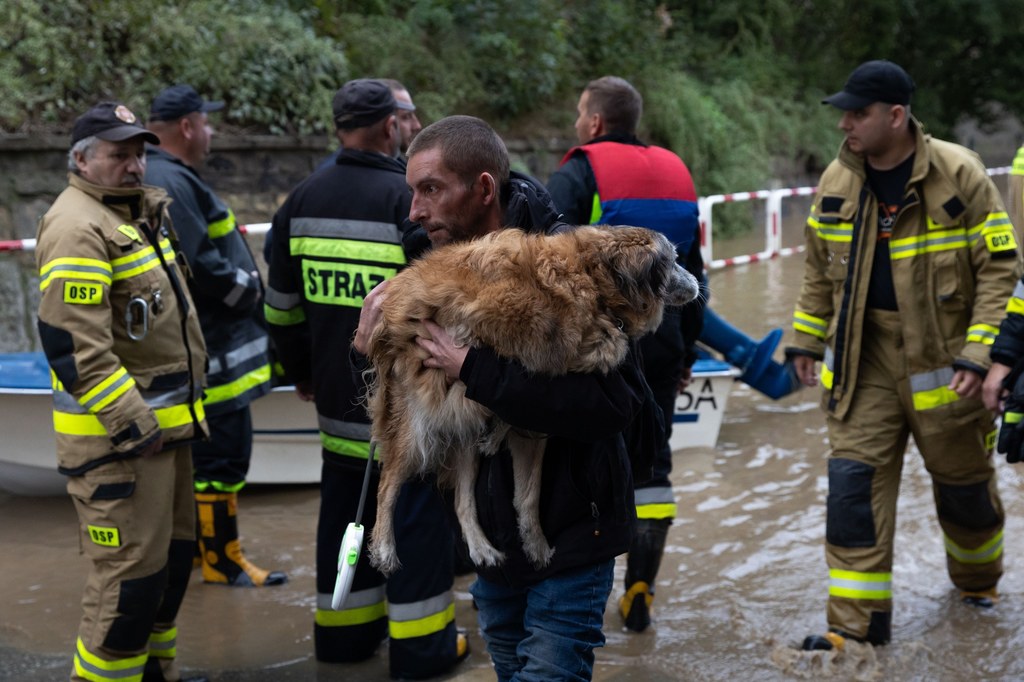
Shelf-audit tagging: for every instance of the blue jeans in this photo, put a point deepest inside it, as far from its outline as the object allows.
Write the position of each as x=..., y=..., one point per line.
x=546, y=631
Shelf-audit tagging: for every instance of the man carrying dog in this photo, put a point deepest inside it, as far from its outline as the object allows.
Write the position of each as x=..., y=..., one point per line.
x=538, y=623
x=123, y=341
x=337, y=236
x=228, y=293
x=910, y=263
x=613, y=178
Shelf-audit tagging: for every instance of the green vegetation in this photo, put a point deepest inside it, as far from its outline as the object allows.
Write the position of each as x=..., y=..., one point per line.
x=731, y=85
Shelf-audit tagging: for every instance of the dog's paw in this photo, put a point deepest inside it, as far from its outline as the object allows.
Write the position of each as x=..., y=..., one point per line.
x=384, y=559
x=539, y=553
x=485, y=555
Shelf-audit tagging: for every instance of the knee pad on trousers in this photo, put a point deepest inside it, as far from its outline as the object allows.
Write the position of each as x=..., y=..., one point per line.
x=137, y=604
x=968, y=506
x=850, y=522
x=179, y=569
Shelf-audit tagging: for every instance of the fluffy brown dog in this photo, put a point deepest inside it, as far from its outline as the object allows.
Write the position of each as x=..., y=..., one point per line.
x=557, y=304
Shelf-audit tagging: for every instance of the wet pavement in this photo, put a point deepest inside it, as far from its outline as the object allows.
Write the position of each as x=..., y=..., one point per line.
x=743, y=579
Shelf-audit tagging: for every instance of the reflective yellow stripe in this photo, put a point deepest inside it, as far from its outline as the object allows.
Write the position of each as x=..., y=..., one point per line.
x=857, y=585
x=809, y=324
x=345, y=446
x=357, y=616
x=831, y=232
x=422, y=627
x=284, y=318
x=89, y=425
x=345, y=284
x=91, y=667
x=74, y=268
x=233, y=389
x=986, y=554
x=107, y=391
x=936, y=397
x=1012, y=417
x=1015, y=305
x=347, y=248
x=826, y=378
x=595, y=210
x=930, y=242
x=656, y=511
x=219, y=228
x=164, y=644
x=982, y=333
x=219, y=486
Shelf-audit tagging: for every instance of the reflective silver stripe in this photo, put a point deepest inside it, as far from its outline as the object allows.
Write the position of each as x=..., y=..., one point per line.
x=281, y=301
x=155, y=645
x=830, y=359
x=242, y=279
x=659, y=495
x=236, y=357
x=102, y=395
x=420, y=609
x=356, y=598
x=931, y=380
x=1018, y=291
x=350, y=430
x=65, y=402
x=363, y=230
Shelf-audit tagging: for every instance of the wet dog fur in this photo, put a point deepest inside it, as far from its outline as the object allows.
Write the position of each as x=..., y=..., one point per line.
x=557, y=304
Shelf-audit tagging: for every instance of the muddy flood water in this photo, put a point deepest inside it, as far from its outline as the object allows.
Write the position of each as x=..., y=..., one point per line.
x=743, y=580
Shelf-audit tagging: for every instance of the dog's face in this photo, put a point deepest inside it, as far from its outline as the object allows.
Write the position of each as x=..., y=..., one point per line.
x=643, y=266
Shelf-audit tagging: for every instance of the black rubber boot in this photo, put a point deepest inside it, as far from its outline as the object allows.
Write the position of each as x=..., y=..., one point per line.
x=223, y=560
x=642, y=566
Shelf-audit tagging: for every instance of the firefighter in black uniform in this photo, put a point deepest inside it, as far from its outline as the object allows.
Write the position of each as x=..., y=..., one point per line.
x=228, y=294
x=337, y=235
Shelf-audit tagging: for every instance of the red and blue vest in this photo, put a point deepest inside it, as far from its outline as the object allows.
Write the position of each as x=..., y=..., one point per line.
x=644, y=186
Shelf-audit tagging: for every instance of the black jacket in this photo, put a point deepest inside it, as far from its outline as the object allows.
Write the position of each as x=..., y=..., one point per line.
x=336, y=237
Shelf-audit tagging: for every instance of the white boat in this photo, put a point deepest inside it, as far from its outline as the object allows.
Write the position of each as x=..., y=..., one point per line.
x=286, y=441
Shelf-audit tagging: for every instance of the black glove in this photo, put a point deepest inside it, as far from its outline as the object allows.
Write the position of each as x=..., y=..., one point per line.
x=1011, y=433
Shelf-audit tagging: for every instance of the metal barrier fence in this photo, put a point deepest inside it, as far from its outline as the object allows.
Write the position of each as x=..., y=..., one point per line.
x=773, y=248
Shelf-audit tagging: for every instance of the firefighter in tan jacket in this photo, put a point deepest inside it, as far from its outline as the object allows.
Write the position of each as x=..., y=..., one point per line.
x=911, y=259
x=127, y=359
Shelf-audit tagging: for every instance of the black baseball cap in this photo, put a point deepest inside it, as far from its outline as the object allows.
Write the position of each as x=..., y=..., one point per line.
x=179, y=100
x=362, y=102
x=875, y=81
x=111, y=121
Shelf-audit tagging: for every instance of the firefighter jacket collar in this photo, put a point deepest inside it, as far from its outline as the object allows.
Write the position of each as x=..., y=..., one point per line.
x=126, y=202
x=855, y=162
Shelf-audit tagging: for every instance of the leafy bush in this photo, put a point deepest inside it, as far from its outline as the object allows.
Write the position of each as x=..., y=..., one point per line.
x=263, y=59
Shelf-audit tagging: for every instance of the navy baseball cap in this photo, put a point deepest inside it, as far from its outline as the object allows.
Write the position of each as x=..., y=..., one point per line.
x=874, y=81
x=177, y=101
x=110, y=121
x=362, y=102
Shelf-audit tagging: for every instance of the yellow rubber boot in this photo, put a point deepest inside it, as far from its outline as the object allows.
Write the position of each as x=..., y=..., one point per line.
x=635, y=606
x=222, y=556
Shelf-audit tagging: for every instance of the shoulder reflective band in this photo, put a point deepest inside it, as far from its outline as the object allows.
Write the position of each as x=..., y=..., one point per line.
x=104, y=535
x=74, y=268
x=219, y=228
x=83, y=293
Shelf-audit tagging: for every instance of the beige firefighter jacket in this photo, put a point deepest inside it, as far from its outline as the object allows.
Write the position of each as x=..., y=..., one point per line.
x=118, y=326
x=954, y=265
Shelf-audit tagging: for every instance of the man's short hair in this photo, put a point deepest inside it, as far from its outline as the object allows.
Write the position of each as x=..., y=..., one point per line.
x=469, y=146
x=617, y=101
